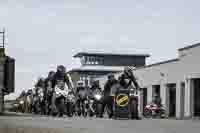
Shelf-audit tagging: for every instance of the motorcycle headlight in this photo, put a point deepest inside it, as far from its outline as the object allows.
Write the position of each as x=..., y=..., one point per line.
x=131, y=94
x=21, y=102
x=57, y=93
x=98, y=97
x=16, y=105
x=42, y=94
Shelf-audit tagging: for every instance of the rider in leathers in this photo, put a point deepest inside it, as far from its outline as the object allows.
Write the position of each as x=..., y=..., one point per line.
x=126, y=80
x=61, y=79
x=40, y=85
x=94, y=89
x=81, y=93
x=49, y=91
x=95, y=86
x=108, y=99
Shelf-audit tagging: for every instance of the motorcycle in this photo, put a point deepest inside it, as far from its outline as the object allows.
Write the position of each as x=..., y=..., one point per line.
x=96, y=104
x=61, y=96
x=70, y=104
x=38, y=101
x=152, y=110
x=20, y=104
x=84, y=107
x=82, y=103
x=48, y=99
x=125, y=100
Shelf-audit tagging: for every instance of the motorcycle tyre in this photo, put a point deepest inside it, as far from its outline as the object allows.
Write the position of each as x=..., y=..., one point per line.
x=69, y=109
x=79, y=113
x=84, y=113
x=163, y=115
x=134, y=109
x=61, y=107
x=91, y=114
x=99, y=108
x=147, y=114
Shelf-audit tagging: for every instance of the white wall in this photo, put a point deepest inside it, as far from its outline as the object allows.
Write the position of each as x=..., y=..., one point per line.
x=191, y=68
x=152, y=75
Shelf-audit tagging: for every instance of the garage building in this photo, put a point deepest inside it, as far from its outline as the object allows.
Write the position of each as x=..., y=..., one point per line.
x=177, y=81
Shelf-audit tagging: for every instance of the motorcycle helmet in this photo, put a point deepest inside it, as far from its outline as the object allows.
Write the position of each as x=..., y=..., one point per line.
x=51, y=74
x=96, y=83
x=40, y=82
x=111, y=76
x=61, y=69
x=80, y=83
x=128, y=71
x=29, y=92
x=23, y=93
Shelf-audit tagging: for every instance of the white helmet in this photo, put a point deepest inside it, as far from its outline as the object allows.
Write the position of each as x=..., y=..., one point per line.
x=128, y=69
x=80, y=83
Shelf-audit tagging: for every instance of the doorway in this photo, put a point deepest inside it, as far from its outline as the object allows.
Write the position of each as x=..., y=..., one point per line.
x=144, y=97
x=156, y=90
x=196, y=97
x=172, y=100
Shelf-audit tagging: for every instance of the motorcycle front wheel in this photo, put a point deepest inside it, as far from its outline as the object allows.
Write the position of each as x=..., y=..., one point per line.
x=84, y=113
x=61, y=106
x=133, y=109
x=147, y=114
x=99, y=112
x=163, y=114
x=70, y=109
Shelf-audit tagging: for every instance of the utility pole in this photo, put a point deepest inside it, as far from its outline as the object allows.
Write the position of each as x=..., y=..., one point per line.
x=7, y=76
x=2, y=55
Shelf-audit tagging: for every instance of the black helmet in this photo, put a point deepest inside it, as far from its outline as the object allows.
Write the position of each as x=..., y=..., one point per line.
x=61, y=68
x=40, y=81
x=29, y=91
x=51, y=74
x=110, y=76
x=95, y=83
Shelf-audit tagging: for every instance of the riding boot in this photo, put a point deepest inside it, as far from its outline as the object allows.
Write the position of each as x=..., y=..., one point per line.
x=60, y=114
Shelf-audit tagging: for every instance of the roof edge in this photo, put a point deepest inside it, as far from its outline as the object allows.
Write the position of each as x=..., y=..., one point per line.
x=190, y=46
x=159, y=63
x=78, y=70
x=80, y=54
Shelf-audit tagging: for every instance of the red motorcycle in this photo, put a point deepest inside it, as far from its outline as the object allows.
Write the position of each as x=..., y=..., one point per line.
x=152, y=110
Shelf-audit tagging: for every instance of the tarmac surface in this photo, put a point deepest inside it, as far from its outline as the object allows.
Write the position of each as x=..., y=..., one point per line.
x=26, y=123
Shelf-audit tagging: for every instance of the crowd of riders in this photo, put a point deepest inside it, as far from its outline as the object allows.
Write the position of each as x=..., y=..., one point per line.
x=56, y=95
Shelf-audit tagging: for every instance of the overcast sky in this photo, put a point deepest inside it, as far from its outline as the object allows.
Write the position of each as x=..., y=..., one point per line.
x=44, y=33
